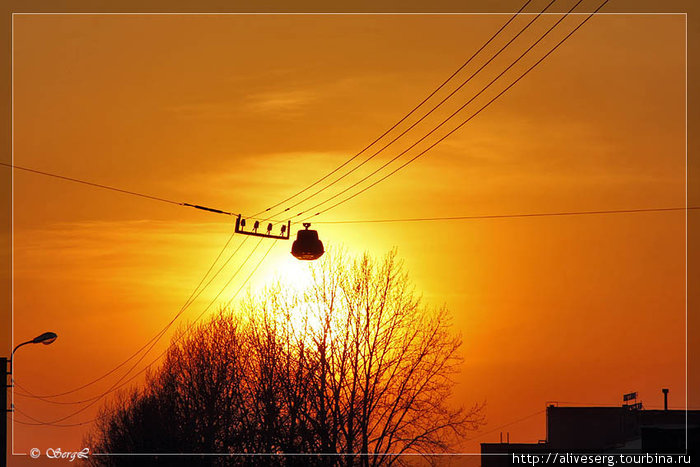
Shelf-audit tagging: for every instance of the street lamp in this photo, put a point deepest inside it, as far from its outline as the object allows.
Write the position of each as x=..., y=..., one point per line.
x=46, y=339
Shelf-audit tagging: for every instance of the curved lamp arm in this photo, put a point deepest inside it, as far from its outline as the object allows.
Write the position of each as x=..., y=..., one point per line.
x=17, y=347
x=45, y=338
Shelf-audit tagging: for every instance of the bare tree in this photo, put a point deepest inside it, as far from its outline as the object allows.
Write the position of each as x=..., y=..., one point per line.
x=355, y=370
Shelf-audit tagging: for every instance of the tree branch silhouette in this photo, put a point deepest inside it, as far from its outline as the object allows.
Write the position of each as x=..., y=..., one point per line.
x=349, y=370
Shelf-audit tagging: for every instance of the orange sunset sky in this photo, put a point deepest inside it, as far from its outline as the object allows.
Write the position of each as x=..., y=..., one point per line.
x=240, y=111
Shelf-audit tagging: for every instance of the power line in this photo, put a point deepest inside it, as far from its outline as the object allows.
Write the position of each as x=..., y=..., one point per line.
x=526, y=417
x=40, y=423
x=609, y=404
x=118, y=190
x=157, y=337
x=458, y=126
x=192, y=298
x=216, y=210
x=427, y=114
x=508, y=216
x=420, y=219
x=224, y=212
x=435, y=91
x=117, y=386
x=443, y=122
x=220, y=211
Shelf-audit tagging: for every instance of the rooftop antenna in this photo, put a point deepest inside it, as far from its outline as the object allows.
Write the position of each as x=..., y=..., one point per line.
x=631, y=396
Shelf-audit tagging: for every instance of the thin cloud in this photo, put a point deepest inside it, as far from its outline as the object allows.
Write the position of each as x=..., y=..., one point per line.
x=284, y=102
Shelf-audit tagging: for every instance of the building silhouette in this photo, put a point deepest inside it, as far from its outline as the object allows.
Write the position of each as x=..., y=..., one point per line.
x=607, y=430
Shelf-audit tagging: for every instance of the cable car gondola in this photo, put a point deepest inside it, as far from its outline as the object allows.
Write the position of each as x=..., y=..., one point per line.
x=307, y=246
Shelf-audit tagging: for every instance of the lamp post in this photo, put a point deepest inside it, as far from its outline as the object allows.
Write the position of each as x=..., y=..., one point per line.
x=6, y=368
